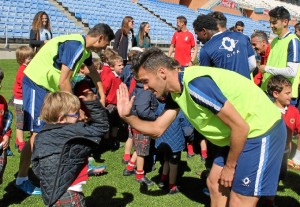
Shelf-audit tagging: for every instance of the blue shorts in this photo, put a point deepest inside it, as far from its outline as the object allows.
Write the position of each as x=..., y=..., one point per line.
x=258, y=167
x=33, y=99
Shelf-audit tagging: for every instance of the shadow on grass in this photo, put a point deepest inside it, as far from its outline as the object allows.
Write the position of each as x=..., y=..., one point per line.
x=104, y=196
x=289, y=182
x=284, y=200
x=12, y=195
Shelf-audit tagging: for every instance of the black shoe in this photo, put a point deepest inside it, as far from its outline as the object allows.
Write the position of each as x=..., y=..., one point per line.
x=125, y=161
x=174, y=190
x=128, y=172
x=145, y=181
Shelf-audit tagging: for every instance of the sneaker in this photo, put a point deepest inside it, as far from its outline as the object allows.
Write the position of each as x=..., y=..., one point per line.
x=128, y=172
x=174, y=190
x=205, y=191
x=96, y=170
x=28, y=188
x=125, y=161
x=190, y=155
x=162, y=184
x=9, y=152
x=145, y=181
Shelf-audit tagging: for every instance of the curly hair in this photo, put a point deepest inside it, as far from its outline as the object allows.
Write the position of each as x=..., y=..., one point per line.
x=37, y=23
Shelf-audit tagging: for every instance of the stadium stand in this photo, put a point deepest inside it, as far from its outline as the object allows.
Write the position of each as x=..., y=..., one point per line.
x=16, y=15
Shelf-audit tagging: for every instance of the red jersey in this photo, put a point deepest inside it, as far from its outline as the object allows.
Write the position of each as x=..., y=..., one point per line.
x=3, y=109
x=183, y=43
x=18, y=85
x=292, y=120
x=111, y=83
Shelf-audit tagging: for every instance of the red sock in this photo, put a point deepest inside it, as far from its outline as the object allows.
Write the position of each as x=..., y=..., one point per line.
x=190, y=148
x=139, y=174
x=164, y=177
x=126, y=157
x=130, y=166
x=171, y=186
x=204, y=153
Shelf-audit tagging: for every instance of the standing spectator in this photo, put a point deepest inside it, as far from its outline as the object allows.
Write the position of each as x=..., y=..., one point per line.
x=40, y=33
x=260, y=43
x=183, y=41
x=284, y=56
x=143, y=38
x=23, y=56
x=111, y=80
x=297, y=29
x=170, y=144
x=144, y=106
x=238, y=27
x=229, y=50
x=52, y=69
x=226, y=113
x=124, y=38
x=220, y=19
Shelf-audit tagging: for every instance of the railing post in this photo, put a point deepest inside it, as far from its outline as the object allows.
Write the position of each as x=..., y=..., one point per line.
x=6, y=37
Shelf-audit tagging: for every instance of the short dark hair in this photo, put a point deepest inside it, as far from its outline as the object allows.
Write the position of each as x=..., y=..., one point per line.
x=182, y=19
x=261, y=35
x=239, y=23
x=297, y=26
x=277, y=83
x=219, y=17
x=103, y=29
x=205, y=21
x=151, y=59
x=280, y=12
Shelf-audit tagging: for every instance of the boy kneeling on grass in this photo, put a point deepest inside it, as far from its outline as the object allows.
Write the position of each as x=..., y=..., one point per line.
x=61, y=149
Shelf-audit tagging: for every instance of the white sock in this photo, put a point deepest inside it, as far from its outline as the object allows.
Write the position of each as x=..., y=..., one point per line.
x=296, y=157
x=20, y=180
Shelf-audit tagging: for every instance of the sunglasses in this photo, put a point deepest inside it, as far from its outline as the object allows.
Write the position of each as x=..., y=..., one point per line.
x=73, y=115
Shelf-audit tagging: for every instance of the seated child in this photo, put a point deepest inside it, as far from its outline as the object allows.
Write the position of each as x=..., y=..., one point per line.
x=5, y=130
x=171, y=143
x=144, y=106
x=23, y=55
x=61, y=149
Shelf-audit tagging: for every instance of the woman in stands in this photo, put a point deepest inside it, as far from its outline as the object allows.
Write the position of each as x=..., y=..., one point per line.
x=124, y=38
x=40, y=32
x=143, y=38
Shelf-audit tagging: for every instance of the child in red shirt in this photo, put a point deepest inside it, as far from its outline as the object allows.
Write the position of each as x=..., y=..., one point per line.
x=5, y=131
x=280, y=88
x=110, y=77
x=23, y=55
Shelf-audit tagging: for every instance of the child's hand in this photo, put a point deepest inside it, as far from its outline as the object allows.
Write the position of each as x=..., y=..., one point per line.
x=5, y=142
x=88, y=95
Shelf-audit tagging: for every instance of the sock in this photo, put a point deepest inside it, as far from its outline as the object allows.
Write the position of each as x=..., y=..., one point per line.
x=126, y=157
x=172, y=186
x=296, y=158
x=204, y=153
x=190, y=148
x=139, y=174
x=164, y=177
x=130, y=166
x=21, y=180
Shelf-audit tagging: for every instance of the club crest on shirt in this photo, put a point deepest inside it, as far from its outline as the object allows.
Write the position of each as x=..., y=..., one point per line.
x=292, y=121
x=228, y=44
x=186, y=38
